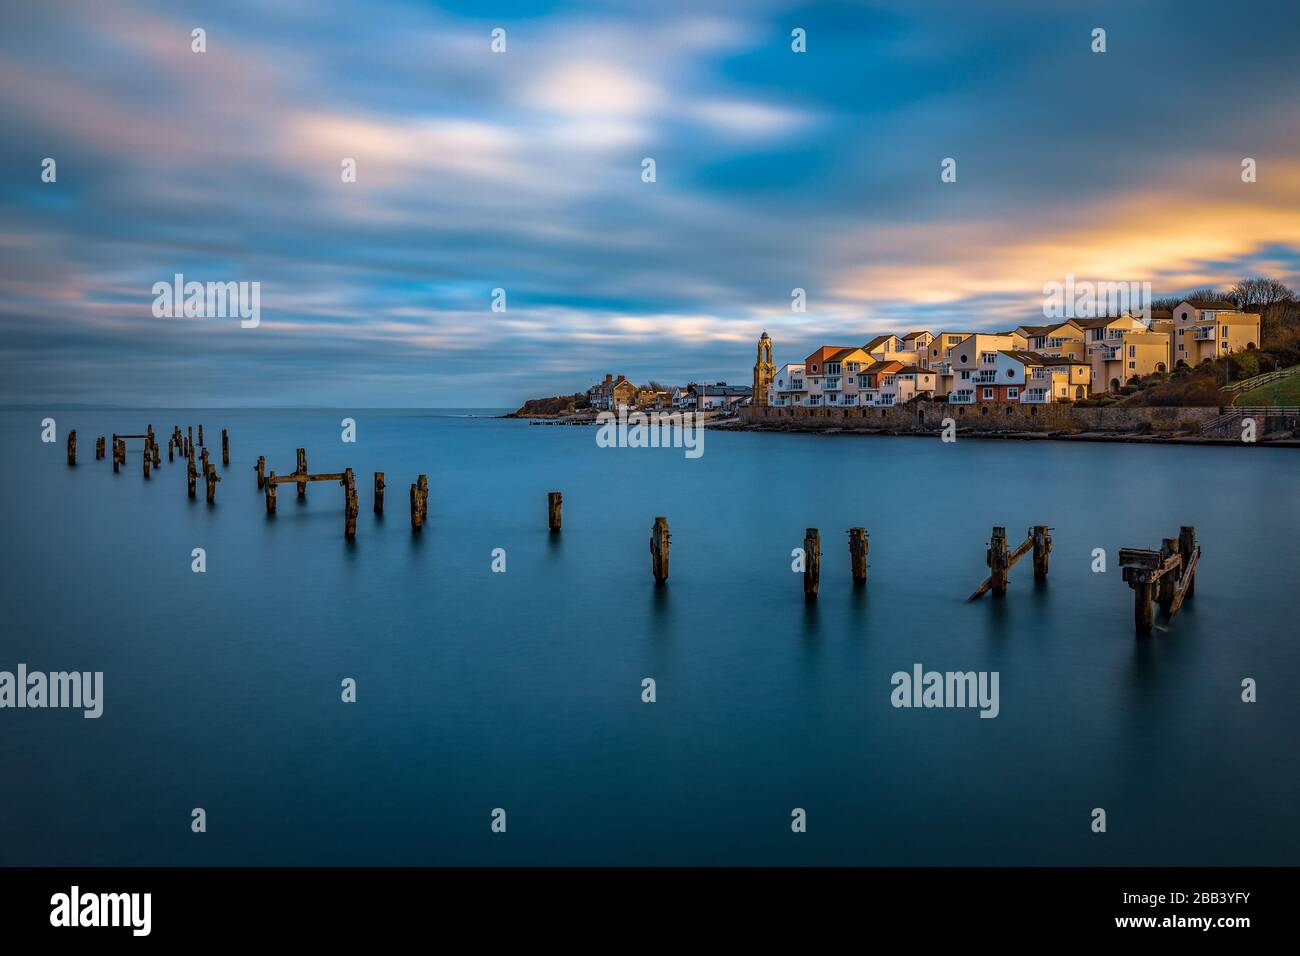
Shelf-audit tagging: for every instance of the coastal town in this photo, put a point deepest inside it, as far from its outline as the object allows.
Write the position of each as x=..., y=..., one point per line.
x=1068, y=361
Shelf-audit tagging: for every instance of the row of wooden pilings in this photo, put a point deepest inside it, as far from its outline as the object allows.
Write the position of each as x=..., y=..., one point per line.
x=1166, y=577
x=151, y=457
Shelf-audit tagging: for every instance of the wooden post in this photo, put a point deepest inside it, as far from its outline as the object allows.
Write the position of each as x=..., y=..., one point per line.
x=302, y=470
x=115, y=456
x=260, y=468
x=189, y=439
x=417, y=519
x=200, y=436
x=1187, y=548
x=858, y=554
x=99, y=448
x=213, y=478
x=350, y=507
x=146, y=457
x=999, y=561
x=270, y=494
x=1142, y=613
x=205, y=462
x=192, y=474
x=554, y=510
x=171, y=446
x=225, y=449
x=812, y=563
x=157, y=455
x=422, y=483
x=379, y=492
x=659, y=542
x=72, y=447
x=1042, y=549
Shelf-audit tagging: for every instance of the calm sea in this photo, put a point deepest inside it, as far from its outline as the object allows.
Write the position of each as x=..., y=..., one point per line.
x=522, y=690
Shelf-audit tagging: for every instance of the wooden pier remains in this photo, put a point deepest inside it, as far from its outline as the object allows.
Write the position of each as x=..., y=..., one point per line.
x=213, y=478
x=302, y=470
x=344, y=478
x=260, y=468
x=554, y=511
x=812, y=563
x=99, y=448
x=1166, y=577
x=1001, y=559
x=379, y=492
x=200, y=436
x=659, y=542
x=858, y=546
x=192, y=473
x=225, y=449
x=72, y=447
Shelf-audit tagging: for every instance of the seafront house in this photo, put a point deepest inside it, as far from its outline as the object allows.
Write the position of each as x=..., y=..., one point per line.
x=788, y=386
x=918, y=342
x=815, y=374
x=938, y=358
x=974, y=364
x=1033, y=378
x=612, y=393
x=1132, y=354
x=1211, y=329
x=721, y=396
x=889, y=346
x=904, y=383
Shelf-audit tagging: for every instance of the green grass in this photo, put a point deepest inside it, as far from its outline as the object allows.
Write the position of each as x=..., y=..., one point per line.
x=1282, y=392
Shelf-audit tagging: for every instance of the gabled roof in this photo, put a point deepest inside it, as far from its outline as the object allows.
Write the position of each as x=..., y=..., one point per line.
x=914, y=370
x=878, y=341
x=1023, y=357
x=1104, y=320
x=1214, y=305
x=916, y=335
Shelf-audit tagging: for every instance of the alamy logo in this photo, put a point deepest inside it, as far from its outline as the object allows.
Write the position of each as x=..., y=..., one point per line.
x=656, y=430
x=179, y=299
x=56, y=689
x=922, y=688
x=103, y=909
x=1089, y=300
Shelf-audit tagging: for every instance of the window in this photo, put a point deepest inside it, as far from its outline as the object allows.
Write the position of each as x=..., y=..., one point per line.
x=1011, y=373
x=964, y=359
x=988, y=394
x=1132, y=352
x=1132, y=364
x=1013, y=392
x=813, y=367
x=1225, y=331
x=988, y=358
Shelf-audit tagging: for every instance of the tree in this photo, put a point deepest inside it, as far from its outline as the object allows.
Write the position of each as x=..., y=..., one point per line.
x=1259, y=293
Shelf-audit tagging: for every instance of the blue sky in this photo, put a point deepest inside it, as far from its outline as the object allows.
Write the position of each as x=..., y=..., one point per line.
x=522, y=171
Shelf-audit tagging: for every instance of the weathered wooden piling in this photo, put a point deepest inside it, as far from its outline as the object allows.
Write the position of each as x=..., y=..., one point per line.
x=260, y=468
x=1042, y=535
x=213, y=478
x=171, y=447
x=1190, y=552
x=812, y=563
x=858, y=545
x=204, y=469
x=157, y=455
x=225, y=449
x=116, y=454
x=192, y=473
x=554, y=510
x=200, y=436
x=147, y=459
x=659, y=542
x=419, y=502
x=72, y=447
x=998, y=559
x=270, y=494
x=379, y=492
x=99, y=448
x=1167, y=585
x=302, y=470
x=350, y=504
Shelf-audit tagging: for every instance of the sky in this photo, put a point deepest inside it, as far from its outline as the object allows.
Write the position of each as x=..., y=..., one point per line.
x=522, y=170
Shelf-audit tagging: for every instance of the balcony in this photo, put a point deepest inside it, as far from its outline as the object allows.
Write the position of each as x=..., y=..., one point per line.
x=965, y=397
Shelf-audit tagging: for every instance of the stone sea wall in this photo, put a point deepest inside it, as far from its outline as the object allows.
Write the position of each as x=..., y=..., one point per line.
x=999, y=417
